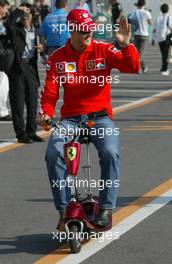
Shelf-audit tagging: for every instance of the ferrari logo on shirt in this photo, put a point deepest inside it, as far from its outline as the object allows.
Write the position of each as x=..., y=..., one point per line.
x=97, y=64
x=91, y=65
x=70, y=67
x=71, y=153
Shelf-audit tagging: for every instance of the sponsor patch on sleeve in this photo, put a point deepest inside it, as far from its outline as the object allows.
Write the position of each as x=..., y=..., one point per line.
x=114, y=49
x=48, y=66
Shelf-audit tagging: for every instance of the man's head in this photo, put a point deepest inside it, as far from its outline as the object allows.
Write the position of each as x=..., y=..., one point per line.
x=140, y=3
x=81, y=26
x=164, y=8
x=81, y=2
x=4, y=5
x=26, y=18
x=113, y=2
x=61, y=4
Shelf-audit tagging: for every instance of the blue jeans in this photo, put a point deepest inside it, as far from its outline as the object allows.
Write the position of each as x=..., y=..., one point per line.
x=107, y=145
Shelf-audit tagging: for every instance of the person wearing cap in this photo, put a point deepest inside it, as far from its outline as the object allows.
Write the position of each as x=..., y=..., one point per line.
x=82, y=101
x=141, y=35
x=54, y=29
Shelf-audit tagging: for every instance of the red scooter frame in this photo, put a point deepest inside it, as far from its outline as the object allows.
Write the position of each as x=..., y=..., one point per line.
x=79, y=214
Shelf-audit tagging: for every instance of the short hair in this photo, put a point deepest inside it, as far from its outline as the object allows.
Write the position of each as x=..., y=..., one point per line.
x=60, y=3
x=164, y=8
x=4, y=3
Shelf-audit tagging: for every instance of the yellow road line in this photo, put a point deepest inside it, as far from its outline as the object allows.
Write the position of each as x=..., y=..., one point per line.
x=163, y=122
x=10, y=147
x=59, y=254
x=43, y=134
x=150, y=126
x=166, y=115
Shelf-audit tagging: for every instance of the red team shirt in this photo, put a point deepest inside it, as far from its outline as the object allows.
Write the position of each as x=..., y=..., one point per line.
x=84, y=91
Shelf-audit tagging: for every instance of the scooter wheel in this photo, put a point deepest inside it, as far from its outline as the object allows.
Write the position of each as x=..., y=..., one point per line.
x=74, y=243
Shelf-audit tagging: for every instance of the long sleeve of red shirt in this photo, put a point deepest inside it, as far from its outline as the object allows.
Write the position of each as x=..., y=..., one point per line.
x=97, y=60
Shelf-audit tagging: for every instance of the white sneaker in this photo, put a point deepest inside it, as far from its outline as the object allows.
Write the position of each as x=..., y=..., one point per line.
x=144, y=70
x=165, y=73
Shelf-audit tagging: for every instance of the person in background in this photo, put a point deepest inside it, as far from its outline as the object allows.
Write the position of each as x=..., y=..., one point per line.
x=4, y=89
x=54, y=28
x=90, y=5
x=162, y=27
x=116, y=12
x=4, y=83
x=82, y=4
x=141, y=35
x=24, y=79
x=41, y=8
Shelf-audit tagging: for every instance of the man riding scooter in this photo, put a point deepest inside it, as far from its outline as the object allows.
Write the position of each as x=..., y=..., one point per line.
x=85, y=101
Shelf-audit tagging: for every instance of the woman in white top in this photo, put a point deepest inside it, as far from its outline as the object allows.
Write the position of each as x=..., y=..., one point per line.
x=141, y=34
x=162, y=27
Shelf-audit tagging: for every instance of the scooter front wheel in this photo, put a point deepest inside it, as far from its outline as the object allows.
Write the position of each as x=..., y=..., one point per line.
x=75, y=241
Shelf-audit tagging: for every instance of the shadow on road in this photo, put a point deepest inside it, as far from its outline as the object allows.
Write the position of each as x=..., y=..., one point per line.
x=122, y=201
x=37, y=244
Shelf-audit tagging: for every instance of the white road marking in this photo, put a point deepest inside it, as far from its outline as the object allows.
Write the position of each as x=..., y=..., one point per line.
x=114, y=90
x=138, y=102
x=124, y=226
x=135, y=91
x=5, y=122
x=146, y=82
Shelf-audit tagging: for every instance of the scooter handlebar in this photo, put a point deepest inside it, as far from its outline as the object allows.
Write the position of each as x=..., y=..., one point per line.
x=50, y=123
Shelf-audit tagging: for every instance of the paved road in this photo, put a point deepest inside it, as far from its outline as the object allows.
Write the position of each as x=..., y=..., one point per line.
x=28, y=217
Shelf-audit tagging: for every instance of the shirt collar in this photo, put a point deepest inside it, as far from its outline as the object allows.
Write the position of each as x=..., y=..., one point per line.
x=60, y=10
x=70, y=51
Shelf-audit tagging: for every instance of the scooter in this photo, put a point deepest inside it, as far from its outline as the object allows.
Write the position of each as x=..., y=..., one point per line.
x=80, y=213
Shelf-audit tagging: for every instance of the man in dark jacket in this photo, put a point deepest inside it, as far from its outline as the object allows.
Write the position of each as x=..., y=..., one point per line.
x=116, y=12
x=24, y=80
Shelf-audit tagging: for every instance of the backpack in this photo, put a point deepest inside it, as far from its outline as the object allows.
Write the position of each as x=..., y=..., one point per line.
x=169, y=36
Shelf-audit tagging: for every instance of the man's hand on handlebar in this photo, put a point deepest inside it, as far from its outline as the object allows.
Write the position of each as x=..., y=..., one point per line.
x=41, y=119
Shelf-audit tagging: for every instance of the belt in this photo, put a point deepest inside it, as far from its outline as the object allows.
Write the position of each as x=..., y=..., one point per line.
x=91, y=115
x=26, y=60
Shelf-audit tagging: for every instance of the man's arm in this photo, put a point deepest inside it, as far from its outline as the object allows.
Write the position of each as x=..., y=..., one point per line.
x=127, y=59
x=49, y=94
x=149, y=18
x=16, y=16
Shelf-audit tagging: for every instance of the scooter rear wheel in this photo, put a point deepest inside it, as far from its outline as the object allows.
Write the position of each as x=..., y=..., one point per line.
x=75, y=243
